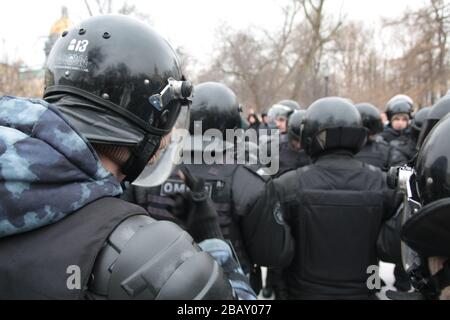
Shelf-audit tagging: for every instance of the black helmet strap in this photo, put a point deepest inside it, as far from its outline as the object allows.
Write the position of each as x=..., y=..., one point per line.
x=140, y=156
x=106, y=104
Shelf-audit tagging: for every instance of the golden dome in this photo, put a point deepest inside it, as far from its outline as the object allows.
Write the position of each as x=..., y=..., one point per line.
x=62, y=24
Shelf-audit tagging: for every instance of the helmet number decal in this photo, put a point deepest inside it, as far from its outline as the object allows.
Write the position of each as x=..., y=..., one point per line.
x=78, y=45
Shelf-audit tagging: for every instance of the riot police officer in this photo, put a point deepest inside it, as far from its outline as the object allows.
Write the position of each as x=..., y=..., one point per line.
x=399, y=111
x=426, y=232
x=292, y=155
x=237, y=190
x=279, y=117
x=391, y=242
x=114, y=92
x=335, y=207
x=401, y=136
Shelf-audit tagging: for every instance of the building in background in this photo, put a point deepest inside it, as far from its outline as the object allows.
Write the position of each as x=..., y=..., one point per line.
x=57, y=28
x=20, y=79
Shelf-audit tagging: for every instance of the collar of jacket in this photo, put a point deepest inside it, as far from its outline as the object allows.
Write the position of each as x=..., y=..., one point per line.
x=338, y=159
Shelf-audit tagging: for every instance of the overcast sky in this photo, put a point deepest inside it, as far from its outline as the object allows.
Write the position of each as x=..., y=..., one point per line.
x=192, y=24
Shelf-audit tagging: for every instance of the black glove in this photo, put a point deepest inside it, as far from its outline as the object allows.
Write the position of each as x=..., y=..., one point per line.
x=201, y=220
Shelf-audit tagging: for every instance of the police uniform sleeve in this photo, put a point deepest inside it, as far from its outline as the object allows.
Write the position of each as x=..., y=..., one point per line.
x=145, y=259
x=221, y=252
x=389, y=242
x=255, y=203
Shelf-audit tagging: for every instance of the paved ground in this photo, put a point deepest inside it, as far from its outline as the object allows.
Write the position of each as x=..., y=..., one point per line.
x=386, y=273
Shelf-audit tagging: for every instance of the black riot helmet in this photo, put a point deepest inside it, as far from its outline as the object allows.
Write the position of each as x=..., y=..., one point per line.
x=437, y=112
x=215, y=106
x=419, y=120
x=371, y=118
x=333, y=123
x=399, y=104
x=295, y=125
x=119, y=83
x=400, y=98
x=293, y=105
x=279, y=111
x=399, y=107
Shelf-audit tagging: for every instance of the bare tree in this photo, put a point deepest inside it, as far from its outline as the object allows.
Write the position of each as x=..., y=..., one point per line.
x=322, y=31
x=15, y=81
x=108, y=6
x=101, y=7
x=264, y=67
x=359, y=65
x=187, y=62
x=422, y=69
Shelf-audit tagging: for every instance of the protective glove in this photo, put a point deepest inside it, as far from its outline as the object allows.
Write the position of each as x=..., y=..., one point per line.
x=201, y=220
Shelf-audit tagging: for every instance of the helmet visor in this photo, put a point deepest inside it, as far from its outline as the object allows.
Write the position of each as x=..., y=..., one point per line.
x=410, y=258
x=409, y=208
x=169, y=155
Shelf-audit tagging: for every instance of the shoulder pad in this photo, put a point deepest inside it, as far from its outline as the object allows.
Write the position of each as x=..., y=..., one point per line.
x=145, y=259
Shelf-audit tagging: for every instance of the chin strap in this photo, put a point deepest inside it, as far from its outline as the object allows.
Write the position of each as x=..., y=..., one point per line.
x=140, y=156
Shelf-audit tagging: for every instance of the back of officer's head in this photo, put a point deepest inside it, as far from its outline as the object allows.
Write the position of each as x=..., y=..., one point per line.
x=295, y=126
x=371, y=118
x=418, y=122
x=214, y=106
x=333, y=124
x=106, y=76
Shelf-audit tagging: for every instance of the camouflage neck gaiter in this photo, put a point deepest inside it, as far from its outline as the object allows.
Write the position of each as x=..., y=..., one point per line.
x=47, y=169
